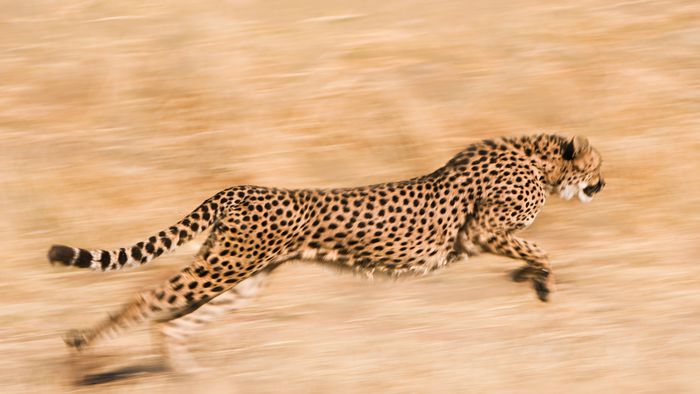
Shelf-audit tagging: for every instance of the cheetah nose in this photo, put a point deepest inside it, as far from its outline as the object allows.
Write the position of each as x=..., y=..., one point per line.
x=591, y=190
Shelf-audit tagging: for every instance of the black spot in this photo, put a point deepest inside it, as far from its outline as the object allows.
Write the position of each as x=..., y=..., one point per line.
x=105, y=259
x=84, y=259
x=122, y=257
x=136, y=253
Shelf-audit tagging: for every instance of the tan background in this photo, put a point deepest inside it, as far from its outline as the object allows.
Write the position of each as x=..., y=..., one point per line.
x=118, y=117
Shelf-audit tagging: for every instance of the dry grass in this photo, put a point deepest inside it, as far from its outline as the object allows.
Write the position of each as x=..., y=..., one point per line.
x=116, y=118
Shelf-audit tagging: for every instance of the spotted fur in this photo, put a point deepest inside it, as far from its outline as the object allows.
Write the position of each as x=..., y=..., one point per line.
x=475, y=202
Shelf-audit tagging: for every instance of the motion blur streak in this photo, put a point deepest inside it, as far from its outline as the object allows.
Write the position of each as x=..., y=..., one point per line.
x=119, y=117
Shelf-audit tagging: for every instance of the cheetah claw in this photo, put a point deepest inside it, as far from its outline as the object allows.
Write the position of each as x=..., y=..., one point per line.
x=75, y=339
x=541, y=289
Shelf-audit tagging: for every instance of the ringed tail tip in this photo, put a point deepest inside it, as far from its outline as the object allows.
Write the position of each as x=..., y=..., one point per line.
x=61, y=254
x=69, y=256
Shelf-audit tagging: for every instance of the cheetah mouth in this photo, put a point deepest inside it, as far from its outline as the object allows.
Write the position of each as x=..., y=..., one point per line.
x=582, y=191
x=588, y=192
x=584, y=197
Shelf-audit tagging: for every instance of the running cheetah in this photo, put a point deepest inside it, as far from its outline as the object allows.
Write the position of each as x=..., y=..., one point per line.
x=477, y=201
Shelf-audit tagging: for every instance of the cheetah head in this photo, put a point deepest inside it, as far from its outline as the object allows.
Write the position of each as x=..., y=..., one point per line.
x=581, y=175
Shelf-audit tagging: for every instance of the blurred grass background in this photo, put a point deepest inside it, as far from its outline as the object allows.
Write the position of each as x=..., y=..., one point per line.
x=117, y=118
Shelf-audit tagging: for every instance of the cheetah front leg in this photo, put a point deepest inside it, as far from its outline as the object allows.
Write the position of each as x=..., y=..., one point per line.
x=537, y=269
x=493, y=232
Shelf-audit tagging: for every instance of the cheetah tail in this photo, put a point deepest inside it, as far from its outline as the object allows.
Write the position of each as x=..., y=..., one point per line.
x=108, y=260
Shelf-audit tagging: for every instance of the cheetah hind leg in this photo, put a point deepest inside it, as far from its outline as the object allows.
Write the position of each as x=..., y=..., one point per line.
x=171, y=300
x=174, y=336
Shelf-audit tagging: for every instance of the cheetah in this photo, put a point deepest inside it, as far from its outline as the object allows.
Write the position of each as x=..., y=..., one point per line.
x=476, y=202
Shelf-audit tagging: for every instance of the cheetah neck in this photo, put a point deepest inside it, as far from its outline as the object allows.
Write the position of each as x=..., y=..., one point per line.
x=544, y=151
x=479, y=163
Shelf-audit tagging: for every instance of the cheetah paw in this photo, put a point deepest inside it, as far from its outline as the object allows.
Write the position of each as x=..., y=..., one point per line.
x=521, y=274
x=543, y=283
x=75, y=339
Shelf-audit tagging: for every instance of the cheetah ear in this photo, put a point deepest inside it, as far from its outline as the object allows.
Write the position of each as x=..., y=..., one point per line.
x=575, y=146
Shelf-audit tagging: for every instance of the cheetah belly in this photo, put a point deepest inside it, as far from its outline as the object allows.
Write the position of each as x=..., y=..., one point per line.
x=418, y=265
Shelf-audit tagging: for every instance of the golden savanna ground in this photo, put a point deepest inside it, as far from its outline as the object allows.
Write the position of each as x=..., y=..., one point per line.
x=119, y=117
